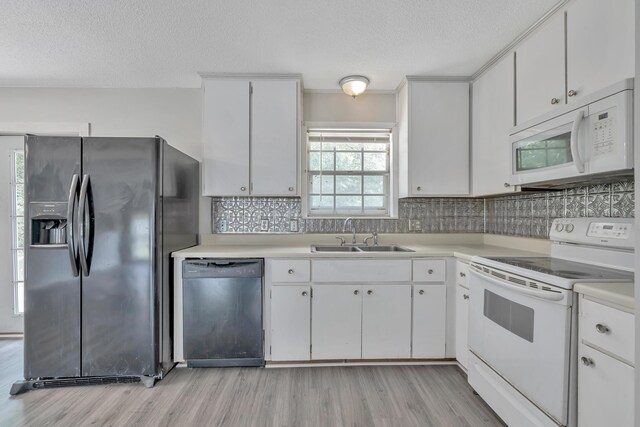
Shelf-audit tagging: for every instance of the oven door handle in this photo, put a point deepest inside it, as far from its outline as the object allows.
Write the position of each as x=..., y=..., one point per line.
x=547, y=295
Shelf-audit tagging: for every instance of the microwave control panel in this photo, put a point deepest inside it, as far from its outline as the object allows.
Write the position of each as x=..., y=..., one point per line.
x=609, y=230
x=603, y=130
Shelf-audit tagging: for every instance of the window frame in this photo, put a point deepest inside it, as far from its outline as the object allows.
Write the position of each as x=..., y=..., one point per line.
x=390, y=181
x=15, y=248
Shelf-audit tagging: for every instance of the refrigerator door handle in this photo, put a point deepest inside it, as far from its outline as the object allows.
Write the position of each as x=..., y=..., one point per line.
x=82, y=204
x=71, y=224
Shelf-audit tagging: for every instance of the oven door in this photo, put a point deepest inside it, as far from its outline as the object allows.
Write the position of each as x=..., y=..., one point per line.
x=523, y=334
x=551, y=150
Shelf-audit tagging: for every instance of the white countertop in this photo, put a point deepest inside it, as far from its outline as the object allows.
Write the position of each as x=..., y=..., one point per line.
x=621, y=294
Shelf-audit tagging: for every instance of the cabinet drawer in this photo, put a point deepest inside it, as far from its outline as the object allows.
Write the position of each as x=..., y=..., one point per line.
x=363, y=270
x=290, y=270
x=429, y=270
x=608, y=328
x=462, y=274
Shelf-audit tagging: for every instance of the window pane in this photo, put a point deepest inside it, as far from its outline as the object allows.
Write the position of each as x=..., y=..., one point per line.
x=321, y=202
x=20, y=292
x=373, y=185
x=314, y=161
x=375, y=147
x=348, y=161
x=348, y=202
x=19, y=167
x=373, y=202
x=19, y=232
x=345, y=146
x=348, y=184
x=19, y=275
x=327, y=161
x=314, y=146
x=20, y=199
x=327, y=184
x=375, y=161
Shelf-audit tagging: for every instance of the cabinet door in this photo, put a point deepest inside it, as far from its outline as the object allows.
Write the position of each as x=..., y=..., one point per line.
x=540, y=70
x=274, y=138
x=600, y=45
x=493, y=117
x=336, y=322
x=438, y=138
x=290, y=322
x=429, y=321
x=605, y=390
x=386, y=321
x=462, y=326
x=225, y=134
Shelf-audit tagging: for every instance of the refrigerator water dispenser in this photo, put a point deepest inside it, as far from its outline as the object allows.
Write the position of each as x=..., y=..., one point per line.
x=48, y=223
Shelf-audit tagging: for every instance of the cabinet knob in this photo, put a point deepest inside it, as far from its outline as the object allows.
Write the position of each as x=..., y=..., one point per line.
x=586, y=361
x=603, y=329
x=290, y=271
x=462, y=274
x=356, y=292
x=369, y=292
x=465, y=296
x=572, y=92
x=430, y=271
x=243, y=188
x=304, y=293
x=554, y=101
x=290, y=188
x=507, y=185
x=421, y=291
x=419, y=188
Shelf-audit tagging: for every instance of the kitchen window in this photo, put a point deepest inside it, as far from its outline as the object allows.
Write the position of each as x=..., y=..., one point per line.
x=349, y=172
x=17, y=227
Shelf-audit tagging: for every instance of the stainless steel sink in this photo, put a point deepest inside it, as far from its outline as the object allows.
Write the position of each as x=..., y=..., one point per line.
x=335, y=248
x=385, y=248
x=338, y=248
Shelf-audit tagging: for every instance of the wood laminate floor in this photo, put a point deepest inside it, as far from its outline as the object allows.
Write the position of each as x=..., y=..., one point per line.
x=322, y=396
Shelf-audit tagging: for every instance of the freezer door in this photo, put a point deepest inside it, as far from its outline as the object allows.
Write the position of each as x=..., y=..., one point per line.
x=52, y=292
x=120, y=298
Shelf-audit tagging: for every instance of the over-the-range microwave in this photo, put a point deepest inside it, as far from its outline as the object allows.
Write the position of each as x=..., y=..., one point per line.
x=583, y=141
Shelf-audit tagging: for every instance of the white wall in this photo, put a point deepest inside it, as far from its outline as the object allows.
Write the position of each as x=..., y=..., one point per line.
x=174, y=114
x=338, y=107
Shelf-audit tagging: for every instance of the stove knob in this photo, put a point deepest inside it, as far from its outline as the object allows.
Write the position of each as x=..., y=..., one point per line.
x=559, y=226
x=569, y=228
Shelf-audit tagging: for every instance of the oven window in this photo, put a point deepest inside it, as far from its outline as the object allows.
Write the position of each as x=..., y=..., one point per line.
x=543, y=154
x=514, y=317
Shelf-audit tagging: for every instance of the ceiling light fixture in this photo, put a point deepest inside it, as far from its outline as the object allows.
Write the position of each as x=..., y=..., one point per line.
x=354, y=85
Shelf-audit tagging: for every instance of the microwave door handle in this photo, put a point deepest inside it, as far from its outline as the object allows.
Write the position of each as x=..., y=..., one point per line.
x=575, y=150
x=547, y=295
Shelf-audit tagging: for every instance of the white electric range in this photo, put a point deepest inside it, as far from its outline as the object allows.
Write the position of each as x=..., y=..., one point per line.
x=523, y=318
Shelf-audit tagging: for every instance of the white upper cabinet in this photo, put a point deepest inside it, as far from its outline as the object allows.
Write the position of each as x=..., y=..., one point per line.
x=274, y=138
x=433, y=138
x=250, y=136
x=540, y=70
x=600, y=45
x=225, y=134
x=581, y=49
x=493, y=105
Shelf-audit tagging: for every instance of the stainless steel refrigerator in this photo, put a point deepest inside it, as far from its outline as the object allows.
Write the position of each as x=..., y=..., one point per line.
x=102, y=216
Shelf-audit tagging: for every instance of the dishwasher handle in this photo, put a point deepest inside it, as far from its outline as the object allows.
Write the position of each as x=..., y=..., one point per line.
x=222, y=268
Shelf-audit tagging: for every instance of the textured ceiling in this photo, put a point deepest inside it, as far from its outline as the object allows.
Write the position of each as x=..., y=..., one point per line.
x=164, y=43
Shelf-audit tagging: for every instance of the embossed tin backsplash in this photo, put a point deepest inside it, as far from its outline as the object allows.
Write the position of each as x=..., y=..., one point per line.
x=522, y=214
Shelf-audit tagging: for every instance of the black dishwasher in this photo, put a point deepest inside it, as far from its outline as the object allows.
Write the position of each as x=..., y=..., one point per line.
x=222, y=312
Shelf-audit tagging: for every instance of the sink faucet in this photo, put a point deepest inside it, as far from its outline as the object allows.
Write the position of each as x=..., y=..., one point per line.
x=374, y=236
x=353, y=229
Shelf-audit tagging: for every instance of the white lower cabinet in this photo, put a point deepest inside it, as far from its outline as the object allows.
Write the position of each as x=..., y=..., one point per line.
x=462, y=325
x=336, y=322
x=429, y=321
x=386, y=321
x=290, y=322
x=605, y=390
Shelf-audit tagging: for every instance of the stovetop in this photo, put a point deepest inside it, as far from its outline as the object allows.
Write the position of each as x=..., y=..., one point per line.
x=565, y=269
